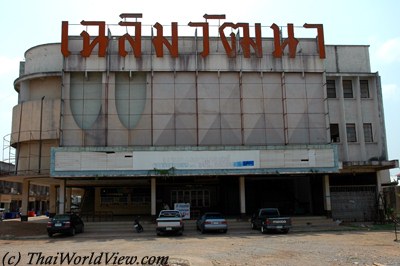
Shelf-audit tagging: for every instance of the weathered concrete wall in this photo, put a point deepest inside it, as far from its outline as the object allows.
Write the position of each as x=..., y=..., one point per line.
x=307, y=58
x=26, y=125
x=191, y=100
x=347, y=58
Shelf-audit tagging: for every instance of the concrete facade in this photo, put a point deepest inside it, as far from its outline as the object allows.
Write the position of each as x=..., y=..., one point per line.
x=213, y=131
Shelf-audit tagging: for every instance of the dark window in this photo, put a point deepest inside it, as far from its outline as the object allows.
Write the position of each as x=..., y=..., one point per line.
x=364, y=89
x=199, y=198
x=214, y=216
x=351, y=132
x=334, y=128
x=368, y=132
x=347, y=89
x=331, y=88
x=269, y=213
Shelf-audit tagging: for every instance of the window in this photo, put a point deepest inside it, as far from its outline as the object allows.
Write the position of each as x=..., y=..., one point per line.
x=364, y=89
x=334, y=128
x=347, y=89
x=368, y=132
x=351, y=132
x=124, y=197
x=198, y=198
x=331, y=88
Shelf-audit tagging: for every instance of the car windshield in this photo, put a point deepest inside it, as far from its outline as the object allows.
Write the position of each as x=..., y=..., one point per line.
x=270, y=213
x=61, y=217
x=214, y=216
x=170, y=214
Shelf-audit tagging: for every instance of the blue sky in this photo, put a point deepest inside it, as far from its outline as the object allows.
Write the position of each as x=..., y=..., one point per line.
x=27, y=23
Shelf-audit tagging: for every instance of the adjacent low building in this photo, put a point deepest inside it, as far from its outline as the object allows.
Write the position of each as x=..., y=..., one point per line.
x=11, y=195
x=227, y=124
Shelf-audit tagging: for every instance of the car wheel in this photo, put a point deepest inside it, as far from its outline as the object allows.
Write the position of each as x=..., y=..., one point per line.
x=285, y=231
x=82, y=229
x=50, y=234
x=73, y=231
x=224, y=231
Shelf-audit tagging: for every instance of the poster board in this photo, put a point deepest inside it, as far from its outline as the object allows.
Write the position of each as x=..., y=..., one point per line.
x=184, y=209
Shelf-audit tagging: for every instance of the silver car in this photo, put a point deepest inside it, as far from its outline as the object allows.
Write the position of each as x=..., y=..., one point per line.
x=212, y=221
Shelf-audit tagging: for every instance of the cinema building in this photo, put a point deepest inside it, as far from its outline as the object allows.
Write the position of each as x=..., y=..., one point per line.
x=227, y=124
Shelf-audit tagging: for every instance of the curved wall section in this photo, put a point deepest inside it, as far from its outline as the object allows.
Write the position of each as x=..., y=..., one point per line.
x=130, y=97
x=43, y=58
x=86, y=100
x=35, y=120
x=45, y=86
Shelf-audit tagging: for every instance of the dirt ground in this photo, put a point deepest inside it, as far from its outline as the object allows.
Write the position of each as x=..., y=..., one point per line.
x=11, y=229
x=238, y=247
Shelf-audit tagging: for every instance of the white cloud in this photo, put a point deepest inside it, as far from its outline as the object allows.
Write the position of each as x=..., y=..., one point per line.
x=9, y=65
x=390, y=91
x=389, y=51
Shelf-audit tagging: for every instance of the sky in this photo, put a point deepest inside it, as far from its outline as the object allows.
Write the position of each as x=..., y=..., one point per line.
x=27, y=23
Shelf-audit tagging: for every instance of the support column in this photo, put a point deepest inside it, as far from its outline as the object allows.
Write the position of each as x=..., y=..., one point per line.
x=242, y=191
x=52, y=200
x=61, y=199
x=25, y=200
x=40, y=208
x=382, y=176
x=68, y=192
x=342, y=120
x=153, y=197
x=359, y=125
x=327, y=196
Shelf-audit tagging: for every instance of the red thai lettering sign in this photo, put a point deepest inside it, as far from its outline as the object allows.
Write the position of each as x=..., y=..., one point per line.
x=159, y=40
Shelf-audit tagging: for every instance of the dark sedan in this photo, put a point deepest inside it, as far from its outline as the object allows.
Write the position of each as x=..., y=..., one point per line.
x=65, y=224
x=212, y=221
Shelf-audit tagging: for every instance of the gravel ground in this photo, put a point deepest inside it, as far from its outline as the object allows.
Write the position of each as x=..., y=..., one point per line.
x=238, y=247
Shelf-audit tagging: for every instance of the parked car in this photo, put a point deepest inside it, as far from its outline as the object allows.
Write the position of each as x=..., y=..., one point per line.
x=269, y=219
x=212, y=221
x=65, y=224
x=170, y=221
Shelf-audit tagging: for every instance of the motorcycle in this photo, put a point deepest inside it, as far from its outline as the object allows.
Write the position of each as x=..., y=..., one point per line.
x=137, y=226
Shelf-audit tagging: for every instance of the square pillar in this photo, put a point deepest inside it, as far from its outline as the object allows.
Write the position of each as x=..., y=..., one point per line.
x=52, y=200
x=242, y=192
x=68, y=192
x=25, y=200
x=327, y=196
x=41, y=207
x=153, y=196
x=61, y=198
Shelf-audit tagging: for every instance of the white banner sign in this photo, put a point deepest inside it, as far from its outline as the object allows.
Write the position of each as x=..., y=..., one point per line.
x=188, y=160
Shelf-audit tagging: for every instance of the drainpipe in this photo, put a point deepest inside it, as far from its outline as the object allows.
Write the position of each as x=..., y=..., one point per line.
x=40, y=135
